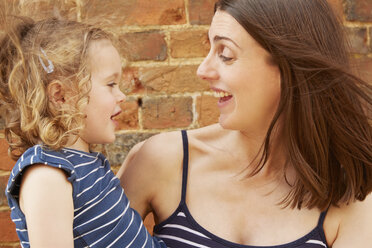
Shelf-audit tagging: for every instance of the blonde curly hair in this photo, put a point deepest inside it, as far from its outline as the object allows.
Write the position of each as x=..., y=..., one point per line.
x=30, y=117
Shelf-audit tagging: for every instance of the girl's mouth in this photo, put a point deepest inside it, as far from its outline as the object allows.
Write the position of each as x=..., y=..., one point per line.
x=113, y=116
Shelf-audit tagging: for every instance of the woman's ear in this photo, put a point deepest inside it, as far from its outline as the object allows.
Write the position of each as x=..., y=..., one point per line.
x=56, y=93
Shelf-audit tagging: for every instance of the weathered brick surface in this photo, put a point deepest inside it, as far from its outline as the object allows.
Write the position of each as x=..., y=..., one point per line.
x=364, y=65
x=2, y=123
x=207, y=110
x=6, y=163
x=8, y=233
x=149, y=45
x=10, y=245
x=370, y=39
x=136, y=12
x=358, y=40
x=171, y=79
x=149, y=223
x=358, y=10
x=128, y=119
x=201, y=11
x=189, y=44
x=167, y=112
x=117, y=151
x=3, y=183
x=132, y=83
x=337, y=6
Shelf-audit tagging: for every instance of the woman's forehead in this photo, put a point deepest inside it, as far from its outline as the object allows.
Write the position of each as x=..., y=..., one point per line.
x=224, y=25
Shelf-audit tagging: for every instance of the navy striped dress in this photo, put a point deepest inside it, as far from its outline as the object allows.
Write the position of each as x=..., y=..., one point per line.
x=180, y=230
x=102, y=215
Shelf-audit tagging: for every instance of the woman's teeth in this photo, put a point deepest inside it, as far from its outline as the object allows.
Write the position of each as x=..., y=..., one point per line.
x=220, y=94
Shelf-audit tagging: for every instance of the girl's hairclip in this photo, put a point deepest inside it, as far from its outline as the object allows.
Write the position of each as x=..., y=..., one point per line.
x=48, y=69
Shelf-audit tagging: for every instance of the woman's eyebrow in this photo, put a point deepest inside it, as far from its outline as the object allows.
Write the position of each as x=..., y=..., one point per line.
x=217, y=38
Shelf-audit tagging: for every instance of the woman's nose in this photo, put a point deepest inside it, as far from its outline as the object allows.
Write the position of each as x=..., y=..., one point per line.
x=207, y=70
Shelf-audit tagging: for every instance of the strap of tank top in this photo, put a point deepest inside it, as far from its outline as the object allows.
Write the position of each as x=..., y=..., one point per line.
x=322, y=217
x=185, y=165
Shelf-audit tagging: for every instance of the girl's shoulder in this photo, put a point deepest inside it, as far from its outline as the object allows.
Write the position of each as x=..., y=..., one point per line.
x=43, y=155
x=39, y=155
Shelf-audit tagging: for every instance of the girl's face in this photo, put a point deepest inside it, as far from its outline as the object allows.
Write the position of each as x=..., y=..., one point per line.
x=240, y=72
x=105, y=96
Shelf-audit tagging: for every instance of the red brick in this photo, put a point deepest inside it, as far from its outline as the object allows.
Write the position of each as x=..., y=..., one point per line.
x=13, y=245
x=128, y=119
x=116, y=152
x=131, y=81
x=358, y=10
x=3, y=183
x=337, y=7
x=358, y=40
x=167, y=112
x=171, y=79
x=201, y=11
x=189, y=44
x=2, y=123
x=7, y=227
x=370, y=39
x=207, y=110
x=135, y=12
x=144, y=46
x=364, y=64
x=6, y=163
x=149, y=222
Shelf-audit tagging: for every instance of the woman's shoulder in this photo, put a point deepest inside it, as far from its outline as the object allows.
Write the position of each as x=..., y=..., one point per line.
x=169, y=144
x=166, y=149
x=155, y=154
x=354, y=223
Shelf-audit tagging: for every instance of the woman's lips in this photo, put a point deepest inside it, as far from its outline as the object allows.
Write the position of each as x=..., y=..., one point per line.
x=224, y=96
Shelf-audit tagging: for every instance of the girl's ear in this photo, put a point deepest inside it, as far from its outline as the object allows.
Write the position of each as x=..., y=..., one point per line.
x=56, y=93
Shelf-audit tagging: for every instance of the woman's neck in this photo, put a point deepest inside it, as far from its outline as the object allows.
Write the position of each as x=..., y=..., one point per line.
x=253, y=145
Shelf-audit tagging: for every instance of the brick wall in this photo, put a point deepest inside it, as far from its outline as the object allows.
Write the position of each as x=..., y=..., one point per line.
x=167, y=40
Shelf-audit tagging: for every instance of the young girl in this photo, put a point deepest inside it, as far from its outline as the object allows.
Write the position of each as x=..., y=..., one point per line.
x=60, y=86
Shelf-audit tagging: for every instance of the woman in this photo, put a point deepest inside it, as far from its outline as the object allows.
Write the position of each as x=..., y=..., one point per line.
x=290, y=162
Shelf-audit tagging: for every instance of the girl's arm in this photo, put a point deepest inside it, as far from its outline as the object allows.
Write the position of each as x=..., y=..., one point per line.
x=46, y=201
x=355, y=229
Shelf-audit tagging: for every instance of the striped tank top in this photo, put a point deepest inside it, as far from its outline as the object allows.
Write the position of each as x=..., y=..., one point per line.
x=102, y=215
x=180, y=230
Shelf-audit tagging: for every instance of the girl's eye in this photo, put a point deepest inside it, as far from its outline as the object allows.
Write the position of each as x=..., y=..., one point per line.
x=112, y=84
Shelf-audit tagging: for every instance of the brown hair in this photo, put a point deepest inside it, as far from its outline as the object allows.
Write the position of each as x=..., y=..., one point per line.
x=30, y=118
x=323, y=106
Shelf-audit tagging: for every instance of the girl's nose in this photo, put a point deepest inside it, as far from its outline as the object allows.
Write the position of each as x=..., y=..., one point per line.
x=207, y=70
x=121, y=96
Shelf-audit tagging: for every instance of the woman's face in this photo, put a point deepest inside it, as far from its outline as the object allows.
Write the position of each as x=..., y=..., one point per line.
x=241, y=73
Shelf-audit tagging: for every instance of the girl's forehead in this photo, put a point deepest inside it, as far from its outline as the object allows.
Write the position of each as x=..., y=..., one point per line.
x=104, y=59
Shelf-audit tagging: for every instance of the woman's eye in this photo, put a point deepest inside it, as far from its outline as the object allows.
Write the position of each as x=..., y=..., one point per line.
x=224, y=58
x=225, y=54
